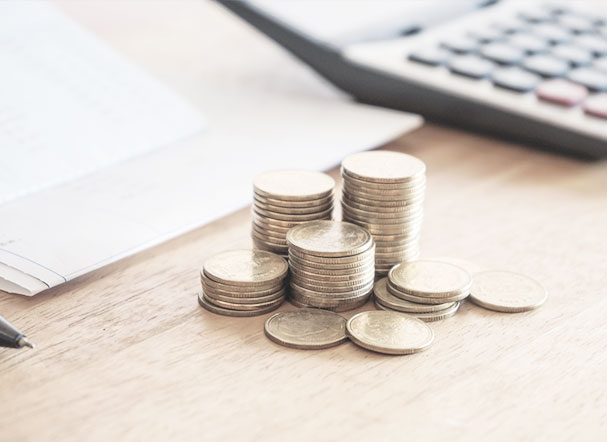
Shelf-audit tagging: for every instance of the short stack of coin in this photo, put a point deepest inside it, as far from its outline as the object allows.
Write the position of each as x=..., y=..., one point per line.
x=428, y=290
x=243, y=283
x=287, y=198
x=383, y=191
x=331, y=265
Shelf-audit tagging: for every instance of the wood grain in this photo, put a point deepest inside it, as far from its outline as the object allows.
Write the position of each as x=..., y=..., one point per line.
x=126, y=353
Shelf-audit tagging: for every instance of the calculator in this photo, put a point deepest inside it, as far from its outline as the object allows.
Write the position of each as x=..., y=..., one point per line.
x=526, y=71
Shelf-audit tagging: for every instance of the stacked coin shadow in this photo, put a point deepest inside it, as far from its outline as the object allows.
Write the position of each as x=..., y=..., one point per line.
x=384, y=192
x=428, y=290
x=243, y=283
x=287, y=198
x=331, y=265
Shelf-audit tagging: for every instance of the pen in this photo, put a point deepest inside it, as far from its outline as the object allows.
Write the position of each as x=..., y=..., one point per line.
x=11, y=337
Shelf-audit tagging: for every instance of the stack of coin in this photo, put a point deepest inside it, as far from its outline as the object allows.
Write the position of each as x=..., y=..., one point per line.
x=384, y=191
x=243, y=283
x=429, y=290
x=287, y=198
x=332, y=265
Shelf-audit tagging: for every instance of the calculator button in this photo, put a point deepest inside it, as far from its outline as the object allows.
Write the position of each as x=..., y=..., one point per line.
x=510, y=26
x=576, y=23
x=594, y=43
x=593, y=79
x=502, y=53
x=552, y=33
x=600, y=64
x=536, y=15
x=573, y=54
x=486, y=35
x=461, y=45
x=561, y=92
x=546, y=65
x=596, y=105
x=470, y=66
x=515, y=79
x=432, y=56
x=532, y=44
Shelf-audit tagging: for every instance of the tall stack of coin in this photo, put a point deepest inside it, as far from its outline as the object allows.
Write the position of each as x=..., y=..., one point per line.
x=384, y=191
x=243, y=283
x=287, y=198
x=429, y=290
x=332, y=265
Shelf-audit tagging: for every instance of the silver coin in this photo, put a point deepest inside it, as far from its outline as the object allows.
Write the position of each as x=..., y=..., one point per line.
x=306, y=328
x=246, y=267
x=264, y=220
x=242, y=306
x=434, y=279
x=294, y=184
x=380, y=204
x=329, y=238
x=386, y=230
x=241, y=291
x=210, y=293
x=507, y=292
x=383, y=295
x=426, y=317
x=293, y=204
x=270, y=239
x=292, y=218
x=266, y=226
x=332, y=288
x=310, y=209
x=271, y=235
x=384, y=217
x=381, y=209
x=382, y=186
x=335, y=260
x=295, y=289
x=370, y=193
x=382, y=166
x=236, y=313
x=324, y=271
x=344, y=268
x=337, y=308
x=361, y=275
x=389, y=332
x=425, y=299
x=265, y=246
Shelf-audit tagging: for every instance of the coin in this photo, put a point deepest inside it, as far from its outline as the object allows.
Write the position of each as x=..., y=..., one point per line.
x=346, y=200
x=329, y=238
x=389, y=332
x=383, y=186
x=210, y=293
x=329, y=271
x=306, y=328
x=246, y=267
x=272, y=248
x=507, y=292
x=240, y=291
x=296, y=289
x=426, y=317
x=227, y=312
x=292, y=217
x=242, y=306
x=362, y=275
x=293, y=204
x=425, y=299
x=355, y=260
x=333, y=288
x=383, y=167
x=336, y=306
x=309, y=209
x=294, y=184
x=387, y=299
x=412, y=192
x=433, y=279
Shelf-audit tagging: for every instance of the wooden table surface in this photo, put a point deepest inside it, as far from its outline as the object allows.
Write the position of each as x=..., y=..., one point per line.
x=125, y=353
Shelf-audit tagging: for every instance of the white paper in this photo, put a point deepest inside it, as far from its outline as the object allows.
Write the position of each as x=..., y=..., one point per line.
x=56, y=234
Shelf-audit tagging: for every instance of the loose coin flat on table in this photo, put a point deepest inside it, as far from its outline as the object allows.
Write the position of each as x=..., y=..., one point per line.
x=434, y=279
x=329, y=238
x=507, y=292
x=380, y=289
x=382, y=166
x=236, y=313
x=389, y=332
x=294, y=184
x=306, y=328
x=246, y=267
